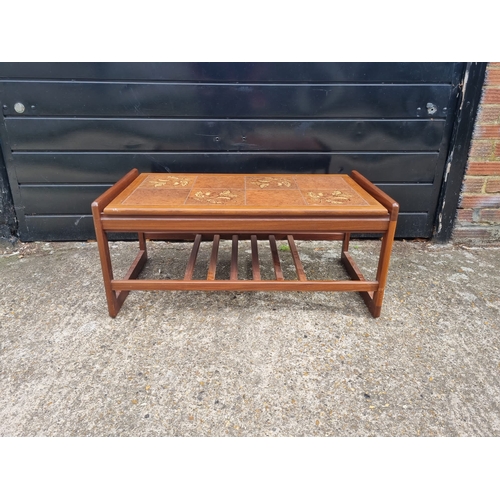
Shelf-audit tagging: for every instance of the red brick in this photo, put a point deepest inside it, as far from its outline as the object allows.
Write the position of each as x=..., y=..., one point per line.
x=493, y=65
x=487, y=132
x=481, y=149
x=497, y=149
x=484, y=168
x=471, y=233
x=493, y=76
x=464, y=215
x=493, y=185
x=489, y=114
x=473, y=184
x=480, y=201
x=491, y=95
x=490, y=215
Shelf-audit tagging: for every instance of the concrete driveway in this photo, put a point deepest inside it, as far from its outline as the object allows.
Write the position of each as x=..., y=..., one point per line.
x=250, y=364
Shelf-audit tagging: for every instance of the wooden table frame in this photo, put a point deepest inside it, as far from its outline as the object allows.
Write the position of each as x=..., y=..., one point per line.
x=334, y=226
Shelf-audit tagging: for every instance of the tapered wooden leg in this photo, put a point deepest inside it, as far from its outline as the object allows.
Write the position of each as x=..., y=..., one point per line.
x=114, y=298
x=373, y=300
x=142, y=243
x=107, y=270
x=345, y=242
x=383, y=269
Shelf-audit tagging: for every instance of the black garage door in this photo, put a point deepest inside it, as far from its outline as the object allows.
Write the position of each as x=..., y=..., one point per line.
x=69, y=131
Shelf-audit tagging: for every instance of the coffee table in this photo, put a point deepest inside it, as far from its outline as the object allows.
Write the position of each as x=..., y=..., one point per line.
x=239, y=206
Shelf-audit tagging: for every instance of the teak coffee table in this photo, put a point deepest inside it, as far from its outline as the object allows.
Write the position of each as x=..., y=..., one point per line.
x=239, y=206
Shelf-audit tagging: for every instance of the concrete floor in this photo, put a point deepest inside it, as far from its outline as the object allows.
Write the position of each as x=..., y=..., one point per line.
x=250, y=364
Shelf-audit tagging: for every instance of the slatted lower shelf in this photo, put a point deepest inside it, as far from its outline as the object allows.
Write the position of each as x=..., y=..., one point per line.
x=130, y=282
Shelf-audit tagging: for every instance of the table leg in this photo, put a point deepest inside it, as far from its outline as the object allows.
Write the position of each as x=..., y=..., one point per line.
x=383, y=269
x=373, y=300
x=345, y=242
x=107, y=269
x=142, y=243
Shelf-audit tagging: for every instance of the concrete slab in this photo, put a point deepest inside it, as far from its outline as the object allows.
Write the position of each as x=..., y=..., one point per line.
x=250, y=364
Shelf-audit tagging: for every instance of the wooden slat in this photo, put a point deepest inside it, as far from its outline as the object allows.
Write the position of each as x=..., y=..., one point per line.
x=255, y=259
x=276, y=258
x=345, y=242
x=296, y=259
x=241, y=237
x=192, y=258
x=212, y=267
x=234, y=259
x=245, y=285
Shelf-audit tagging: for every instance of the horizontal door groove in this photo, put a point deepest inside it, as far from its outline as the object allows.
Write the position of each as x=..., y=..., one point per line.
x=232, y=135
x=224, y=84
x=433, y=152
x=205, y=119
x=212, y=153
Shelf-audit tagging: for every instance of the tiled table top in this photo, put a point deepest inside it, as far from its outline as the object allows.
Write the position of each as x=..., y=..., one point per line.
x=241, y=194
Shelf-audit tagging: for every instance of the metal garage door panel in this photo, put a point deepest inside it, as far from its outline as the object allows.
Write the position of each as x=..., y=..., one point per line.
x=388, y=73
x=58, y=134
x=85, y=168
x=108, y=99
x=85, y=125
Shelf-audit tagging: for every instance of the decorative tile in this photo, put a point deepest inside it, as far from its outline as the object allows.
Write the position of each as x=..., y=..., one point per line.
x=331, y=198
x=168, y=181
x=216, y=197
x=270, y=182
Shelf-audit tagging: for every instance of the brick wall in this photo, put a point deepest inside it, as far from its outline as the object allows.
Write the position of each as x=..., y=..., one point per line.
x=478, y=216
